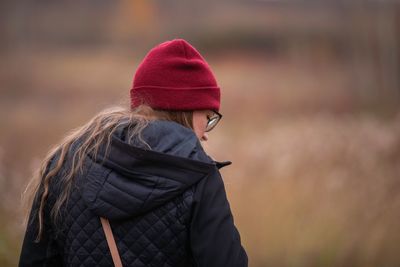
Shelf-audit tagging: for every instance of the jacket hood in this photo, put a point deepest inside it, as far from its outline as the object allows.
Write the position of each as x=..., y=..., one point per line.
x=134, y=178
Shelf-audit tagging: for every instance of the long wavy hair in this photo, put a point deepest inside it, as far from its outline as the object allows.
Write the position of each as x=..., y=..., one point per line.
x=92, y=135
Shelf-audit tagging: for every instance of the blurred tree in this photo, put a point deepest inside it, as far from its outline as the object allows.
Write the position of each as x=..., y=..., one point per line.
x=389, y=48
x=134, y=18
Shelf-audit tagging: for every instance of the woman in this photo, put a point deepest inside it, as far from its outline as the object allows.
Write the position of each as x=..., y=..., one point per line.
x=144, y=172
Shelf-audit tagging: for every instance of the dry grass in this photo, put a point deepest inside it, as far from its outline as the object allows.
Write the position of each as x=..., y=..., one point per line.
x=317, y=190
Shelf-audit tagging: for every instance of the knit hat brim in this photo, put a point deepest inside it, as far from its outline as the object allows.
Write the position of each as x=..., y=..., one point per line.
x=203, y=98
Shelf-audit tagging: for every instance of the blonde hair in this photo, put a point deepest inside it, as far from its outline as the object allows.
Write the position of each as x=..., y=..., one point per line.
x=91, y=135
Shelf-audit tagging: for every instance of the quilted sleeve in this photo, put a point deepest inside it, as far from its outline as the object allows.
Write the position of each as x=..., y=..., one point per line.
x=42, y=253
x=45, y=252
x=214, y=239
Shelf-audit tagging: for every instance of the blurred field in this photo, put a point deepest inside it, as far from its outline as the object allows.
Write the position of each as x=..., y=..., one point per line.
x=311, y=105
x=317, y=190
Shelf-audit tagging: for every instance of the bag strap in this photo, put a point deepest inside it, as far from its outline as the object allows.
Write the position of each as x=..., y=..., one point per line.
x=111, y=242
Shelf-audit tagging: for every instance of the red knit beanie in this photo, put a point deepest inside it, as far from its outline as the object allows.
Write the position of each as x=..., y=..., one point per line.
x=174, y=76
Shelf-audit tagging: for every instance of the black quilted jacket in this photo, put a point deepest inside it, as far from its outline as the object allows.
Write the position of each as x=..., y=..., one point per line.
x=167, y=207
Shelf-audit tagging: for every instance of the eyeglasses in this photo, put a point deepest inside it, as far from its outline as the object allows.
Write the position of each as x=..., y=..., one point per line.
x=213, y=120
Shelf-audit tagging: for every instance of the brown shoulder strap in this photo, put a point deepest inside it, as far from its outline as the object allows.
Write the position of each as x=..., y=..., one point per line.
x=111, y=242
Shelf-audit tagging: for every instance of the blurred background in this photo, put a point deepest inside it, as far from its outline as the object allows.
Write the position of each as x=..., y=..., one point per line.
x=310, y=97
